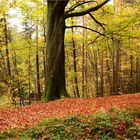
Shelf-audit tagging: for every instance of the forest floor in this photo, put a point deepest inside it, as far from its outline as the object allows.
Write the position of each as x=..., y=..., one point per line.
x=23, y=117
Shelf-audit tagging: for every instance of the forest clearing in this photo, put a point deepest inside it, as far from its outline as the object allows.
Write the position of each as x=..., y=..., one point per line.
x=70, y=69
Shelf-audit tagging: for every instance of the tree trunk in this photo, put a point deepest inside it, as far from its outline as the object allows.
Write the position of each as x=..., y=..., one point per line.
x=37, y=65
x=83, y=62
x=29, y=72
x=113, y=70
x=101, y=93
x=131, y=82
x=137, y=74
x=74, y=65
x=55, y=84
x=44, y=64
x=108, y=74
x=87, y=93
x=44, y=50
x=96, y=72
x=7, y=50
x=117, y=76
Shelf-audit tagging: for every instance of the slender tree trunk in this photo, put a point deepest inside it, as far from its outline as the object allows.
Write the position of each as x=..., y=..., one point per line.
x=14, y=59
x=74, y=64
x=117, y=76
x=74, y=91
x=37, y=65
x=108, y=74
x=55, y=84
x=29, y=76
x=44, y=64
x=101, y=93
x=113, y=71
x=6, y=44
x=116, y=67
x=86, y=76
x=131, y=75
x=3, y=66
x=83, y=62
x=29, y=67
x=43, y=51
x=86, y=67
x=137, y=74
x=116, y=72
x=96, y=72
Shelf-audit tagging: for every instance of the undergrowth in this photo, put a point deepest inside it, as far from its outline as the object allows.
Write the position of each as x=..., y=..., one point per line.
x=115, y=124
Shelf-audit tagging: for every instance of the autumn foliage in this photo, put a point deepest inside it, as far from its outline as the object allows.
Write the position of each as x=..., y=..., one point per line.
x=23, y=117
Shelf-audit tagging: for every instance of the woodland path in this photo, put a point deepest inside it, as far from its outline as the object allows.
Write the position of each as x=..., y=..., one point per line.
x=23, y=117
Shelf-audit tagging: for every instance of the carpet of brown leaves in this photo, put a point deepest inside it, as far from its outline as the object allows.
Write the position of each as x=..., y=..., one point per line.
x=28, y=116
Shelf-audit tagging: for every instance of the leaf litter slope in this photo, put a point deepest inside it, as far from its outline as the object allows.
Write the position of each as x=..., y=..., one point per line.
x=28, y=116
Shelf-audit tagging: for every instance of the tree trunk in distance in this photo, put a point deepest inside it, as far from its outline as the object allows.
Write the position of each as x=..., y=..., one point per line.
x=74, y=64
x=37, y=65
x=96, y=72
x=83, y=61
x=7, y=50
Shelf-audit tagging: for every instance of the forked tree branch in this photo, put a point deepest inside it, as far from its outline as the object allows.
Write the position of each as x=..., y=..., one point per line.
x=78, y=5
x=87, y=11
x=99, y=23
x=77, y=26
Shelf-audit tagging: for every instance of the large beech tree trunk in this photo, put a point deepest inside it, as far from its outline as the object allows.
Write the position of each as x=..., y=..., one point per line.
x=55, y=83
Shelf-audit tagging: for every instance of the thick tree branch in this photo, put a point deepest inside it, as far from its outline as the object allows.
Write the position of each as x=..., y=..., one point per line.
x=99, y=23
x=76, y=26
x=78, y=5
x=87, y=11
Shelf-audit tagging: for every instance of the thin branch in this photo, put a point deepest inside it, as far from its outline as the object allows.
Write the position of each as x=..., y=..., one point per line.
x=78, y=5
x=87, y=11
x=99, y=23
x=77, y=26
x=72, y=7
x=94, y=40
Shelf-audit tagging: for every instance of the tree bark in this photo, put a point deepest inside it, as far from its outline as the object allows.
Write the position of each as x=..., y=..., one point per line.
x=137, y=74
x=74, y=64
x=83, y=61
x=101, y=59
x=108, y=74
x=29, y=72
x=44, y=49
x=55, y=84
x=96, y=72
x=6, y=44
x=131, y=82
x=117, y=76
x=87, y=93
x=37, y=65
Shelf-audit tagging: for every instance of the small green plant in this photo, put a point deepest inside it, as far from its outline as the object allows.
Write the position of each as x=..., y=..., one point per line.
x=11, y=133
